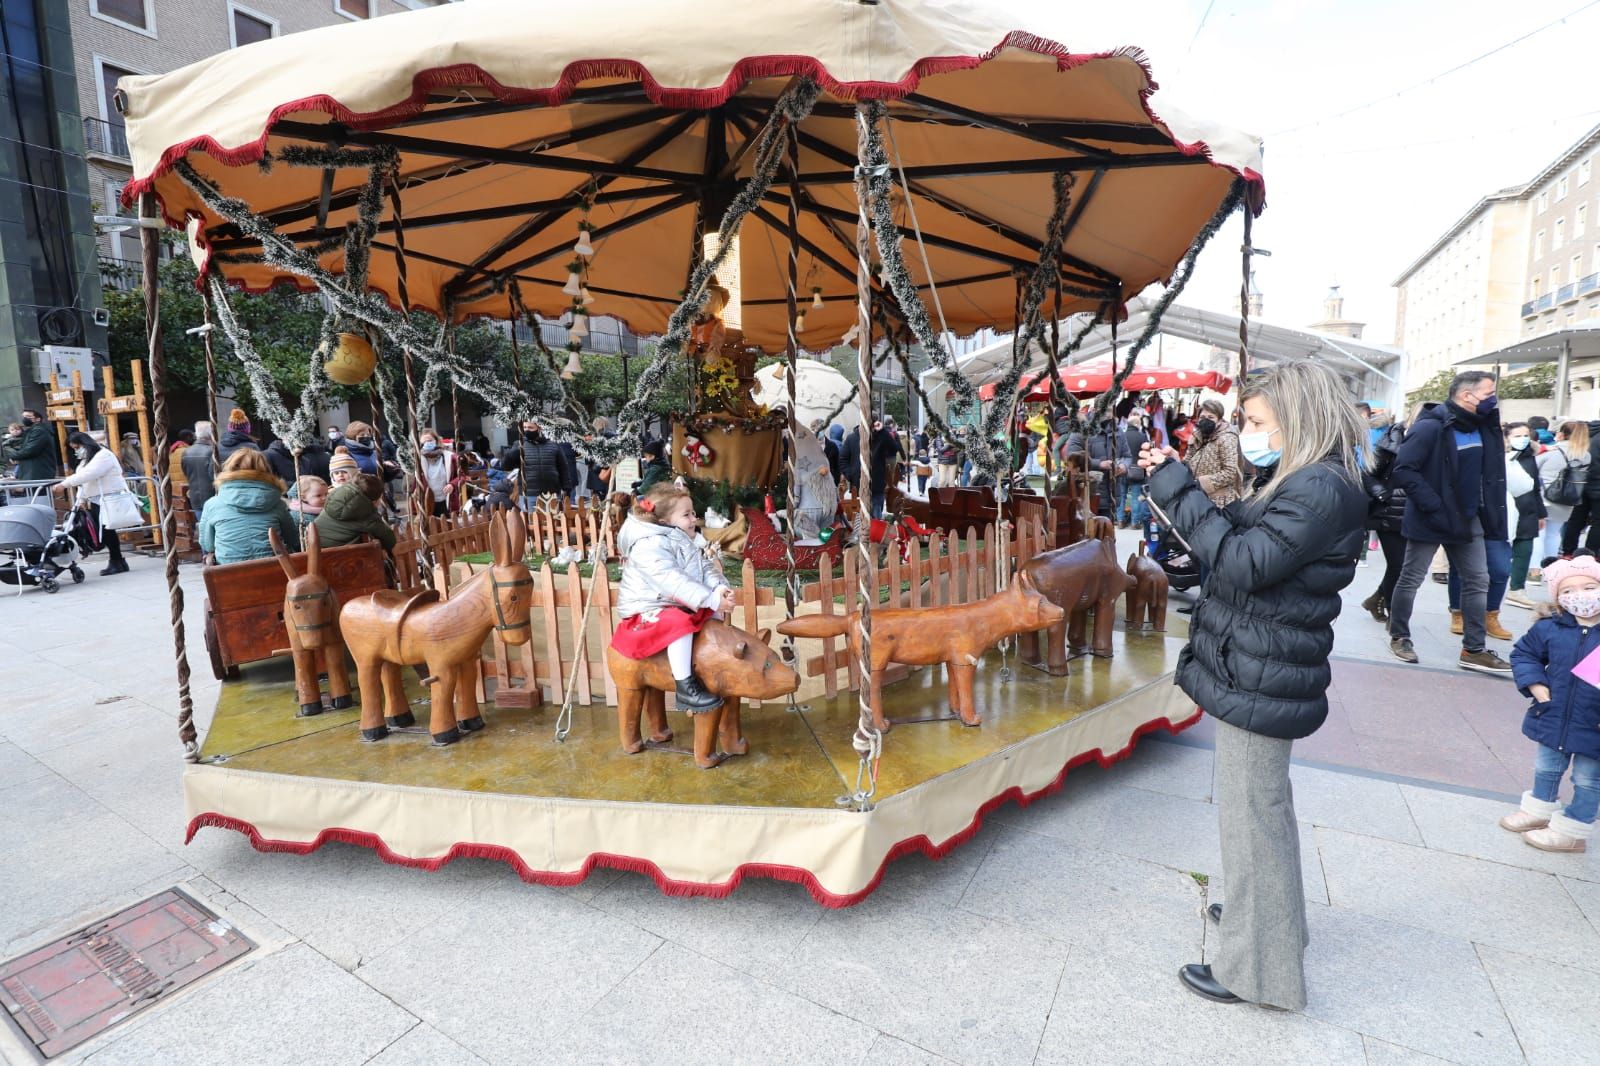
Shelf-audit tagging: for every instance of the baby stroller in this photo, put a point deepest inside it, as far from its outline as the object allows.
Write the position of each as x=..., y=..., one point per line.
x=34, y=550
x=1163, y=545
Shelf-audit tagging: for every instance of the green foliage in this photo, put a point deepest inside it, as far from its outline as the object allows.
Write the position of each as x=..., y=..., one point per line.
x=1536, y=384
x=1435, y=390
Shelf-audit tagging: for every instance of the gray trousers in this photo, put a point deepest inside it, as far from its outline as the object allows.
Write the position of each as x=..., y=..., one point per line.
x=1261, y=943
x=1470, y=562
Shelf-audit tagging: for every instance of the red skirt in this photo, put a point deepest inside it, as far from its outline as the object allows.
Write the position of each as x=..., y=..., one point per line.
x=637, y=638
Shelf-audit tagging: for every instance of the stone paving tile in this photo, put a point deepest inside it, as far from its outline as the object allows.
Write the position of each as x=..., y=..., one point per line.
x=1111, y=1010
x=1587, y=895
x=754, y=930
x=1448, y=893
x=291, y=1007
x=1554, y=1007
x=137, y=773
x=733, y=1017
x=425, y=1046
x=1383, y=1053
x=1466, y=825
x=1351, y=802
x=1405, y=985
x=1172, y=768
x=1090, y=898
x=17, y=766
x=67, y=859
x=967, y=988
x=504, y=981
x=69, y=714
x=890, y=1051
x=944, y=881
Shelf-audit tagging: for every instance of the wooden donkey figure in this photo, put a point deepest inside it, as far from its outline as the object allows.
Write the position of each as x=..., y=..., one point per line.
x=731, y=662
x=923, y=636
x=388, y=630
x=311, y=617
x=1148, y=596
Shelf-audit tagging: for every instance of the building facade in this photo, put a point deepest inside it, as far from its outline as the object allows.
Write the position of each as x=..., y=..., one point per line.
x=1462, y=297
x=49, y=281
x=1562, y=257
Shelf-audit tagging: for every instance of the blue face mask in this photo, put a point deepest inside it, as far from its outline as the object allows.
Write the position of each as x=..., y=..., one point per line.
x=1488, y=405
x=1258, y=449
x=429, y=447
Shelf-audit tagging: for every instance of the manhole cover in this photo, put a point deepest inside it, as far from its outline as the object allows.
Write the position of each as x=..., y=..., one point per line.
x=77, y=987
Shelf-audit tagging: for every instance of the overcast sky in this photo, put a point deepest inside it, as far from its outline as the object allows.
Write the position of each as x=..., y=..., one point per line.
x=1354, y=198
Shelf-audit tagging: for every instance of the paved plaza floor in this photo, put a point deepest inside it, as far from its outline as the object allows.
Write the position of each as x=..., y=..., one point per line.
x=1053, y=936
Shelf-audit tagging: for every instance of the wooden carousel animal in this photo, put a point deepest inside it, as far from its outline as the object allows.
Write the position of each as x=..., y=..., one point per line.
x=388, y=630
x=923, y=636
x=311, y=617
x=1147, y=598
x=729, y=661
x=1082, y=579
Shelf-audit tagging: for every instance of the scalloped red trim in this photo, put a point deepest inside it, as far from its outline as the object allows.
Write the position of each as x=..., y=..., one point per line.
x=667, y=885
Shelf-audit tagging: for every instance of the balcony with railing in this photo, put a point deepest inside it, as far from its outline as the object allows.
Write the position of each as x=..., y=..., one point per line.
x=102, y=138
x=120, y=275
x=1538, y=303
x=1589, y=284
x=1567, y=292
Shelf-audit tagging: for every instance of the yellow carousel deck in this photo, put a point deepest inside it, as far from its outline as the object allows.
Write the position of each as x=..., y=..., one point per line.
x=556, y=810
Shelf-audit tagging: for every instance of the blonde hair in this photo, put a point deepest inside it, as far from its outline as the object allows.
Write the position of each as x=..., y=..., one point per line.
x=249, y=463
x=1317, y=420
x=656, y=499
x=1577, y=442
x=306, y=482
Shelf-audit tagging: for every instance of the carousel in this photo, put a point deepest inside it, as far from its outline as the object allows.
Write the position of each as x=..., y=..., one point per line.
x=774, y=180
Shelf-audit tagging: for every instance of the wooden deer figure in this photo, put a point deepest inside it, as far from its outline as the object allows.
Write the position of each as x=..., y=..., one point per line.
x=1147, y=598
x=731, y=662
x=1081, y=578
x=388, y=630
x=922, y=636
x=311, y=617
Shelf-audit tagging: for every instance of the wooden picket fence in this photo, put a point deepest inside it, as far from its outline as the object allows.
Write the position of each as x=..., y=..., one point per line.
x=553, y=528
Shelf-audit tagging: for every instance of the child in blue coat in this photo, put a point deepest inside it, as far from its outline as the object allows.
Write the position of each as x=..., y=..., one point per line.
x=1565, y=717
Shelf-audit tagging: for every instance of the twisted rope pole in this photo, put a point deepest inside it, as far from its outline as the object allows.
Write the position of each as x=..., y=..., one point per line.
x=415, y=478
x=150, y=253
x=868, y=739
x=791, y=578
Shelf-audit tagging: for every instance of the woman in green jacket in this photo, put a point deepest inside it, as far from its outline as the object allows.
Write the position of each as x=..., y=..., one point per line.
x=249, y=502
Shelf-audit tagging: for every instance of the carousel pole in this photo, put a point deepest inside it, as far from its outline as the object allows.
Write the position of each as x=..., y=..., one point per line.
x=1244, y=301
x=791, y=580
x=868, y=740
x=211, y=381
x=150, y=253
x=415, y=477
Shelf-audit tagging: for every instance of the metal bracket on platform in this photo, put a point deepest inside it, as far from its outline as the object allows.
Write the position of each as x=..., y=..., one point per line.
x=952, y=717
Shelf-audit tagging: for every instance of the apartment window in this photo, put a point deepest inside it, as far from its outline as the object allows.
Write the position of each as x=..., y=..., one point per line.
x=1576, y=267
x=108, y=89
x=248, y=27
x=134, y=14
x=1580, y=221
x=1555, y=278
x=1585, y=170
x=1561, y=188
x=353, y=9
x=1543, y=202
x=1538, y=245
x=1560, y=236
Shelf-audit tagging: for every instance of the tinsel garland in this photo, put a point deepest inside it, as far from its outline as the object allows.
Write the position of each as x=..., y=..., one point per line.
x=508, y=403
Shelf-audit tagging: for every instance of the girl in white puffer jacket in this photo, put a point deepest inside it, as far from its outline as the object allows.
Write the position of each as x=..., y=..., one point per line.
x=671, y=586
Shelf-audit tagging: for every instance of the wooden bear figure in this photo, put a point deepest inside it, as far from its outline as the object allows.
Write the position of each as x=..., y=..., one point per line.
x=311, y=617
x=1147, y=599
x=1082, y=578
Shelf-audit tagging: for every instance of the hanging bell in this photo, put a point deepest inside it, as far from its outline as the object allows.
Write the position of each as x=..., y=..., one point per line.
x=574, y=285
x=851, y=334
x=573, y=368
x=799, y=321
x=583, y=247
x=351, y=361
x=579, y=327
x=816, y=297
x=584, y=296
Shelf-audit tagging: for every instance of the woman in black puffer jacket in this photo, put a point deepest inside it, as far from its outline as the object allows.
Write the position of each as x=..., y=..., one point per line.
x=1386, y=509
x=1257, y=657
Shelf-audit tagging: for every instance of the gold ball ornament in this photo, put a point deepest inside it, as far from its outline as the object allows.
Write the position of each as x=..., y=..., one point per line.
x=352, y=360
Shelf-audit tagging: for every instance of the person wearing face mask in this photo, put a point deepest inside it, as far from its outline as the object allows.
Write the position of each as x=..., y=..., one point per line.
x=439, y=469
x=98, y=475
x=1213, y=455
x=362, y=443
x=1524, y=506
x=1454, y=476
x=34, y=451
x=1257, y=656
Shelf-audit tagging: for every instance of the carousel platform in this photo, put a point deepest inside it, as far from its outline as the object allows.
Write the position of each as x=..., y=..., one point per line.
x=555, y=811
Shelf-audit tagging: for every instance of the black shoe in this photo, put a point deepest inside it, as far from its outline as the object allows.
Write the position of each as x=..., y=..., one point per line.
x=694, y=697
x=1197, y=979
x=118, y=567
x=1187, y=608
x=1213, y=913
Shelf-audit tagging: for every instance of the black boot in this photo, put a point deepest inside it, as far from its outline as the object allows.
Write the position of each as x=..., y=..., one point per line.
x=118, y=566
x=1376, y=607
x=694, y=697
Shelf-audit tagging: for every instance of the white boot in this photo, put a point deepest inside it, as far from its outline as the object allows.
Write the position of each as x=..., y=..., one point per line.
x=1533, y=814
x=1563, y=834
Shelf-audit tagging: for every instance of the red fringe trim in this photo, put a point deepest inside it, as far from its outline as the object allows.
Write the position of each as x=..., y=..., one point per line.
x=667, y=885
x=742, y=73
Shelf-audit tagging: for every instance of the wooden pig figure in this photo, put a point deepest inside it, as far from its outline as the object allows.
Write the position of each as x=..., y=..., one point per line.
x=922, y=636
x=1080, y=578
x=388, y=630
x=311, y=617
x=1147, y=599
x=731, y=662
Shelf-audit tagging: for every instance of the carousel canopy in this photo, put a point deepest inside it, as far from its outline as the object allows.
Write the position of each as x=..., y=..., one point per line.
x=509, y=118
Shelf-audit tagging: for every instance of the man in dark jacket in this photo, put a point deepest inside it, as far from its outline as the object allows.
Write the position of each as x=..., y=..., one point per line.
x=1107, y=453
x=35, y=451
x=1453, y=470
x=884, y=457
x=1132, y=509
x=850, y=458
x=544, y=469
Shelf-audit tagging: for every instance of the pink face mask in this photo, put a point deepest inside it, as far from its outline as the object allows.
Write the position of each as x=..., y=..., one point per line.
x=1580, y=603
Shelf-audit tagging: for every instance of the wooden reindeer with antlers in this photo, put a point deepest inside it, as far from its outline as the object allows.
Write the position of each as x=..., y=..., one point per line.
x=388, y=630
x=311, y=617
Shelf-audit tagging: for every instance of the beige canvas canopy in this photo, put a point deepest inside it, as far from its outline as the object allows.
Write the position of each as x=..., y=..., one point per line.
x=508, y=114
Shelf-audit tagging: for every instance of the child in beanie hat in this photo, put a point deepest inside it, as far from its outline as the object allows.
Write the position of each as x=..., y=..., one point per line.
x=1564, y=720
x=342, y=467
